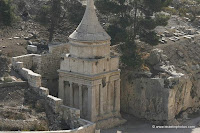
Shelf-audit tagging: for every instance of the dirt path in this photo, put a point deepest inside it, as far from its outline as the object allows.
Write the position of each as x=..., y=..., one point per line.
x=135, y=125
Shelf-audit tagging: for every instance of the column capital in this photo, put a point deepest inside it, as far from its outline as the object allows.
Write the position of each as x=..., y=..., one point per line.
x=90, y=86
x=107, y=82
x=80, y=85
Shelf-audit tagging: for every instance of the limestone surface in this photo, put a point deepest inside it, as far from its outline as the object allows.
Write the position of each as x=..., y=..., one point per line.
x=89, y=30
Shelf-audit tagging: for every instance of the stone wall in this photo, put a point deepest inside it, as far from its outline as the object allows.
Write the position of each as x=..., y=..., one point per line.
x=50, y=62
x=49, y=65
x=30, y=61
x=33, y=79
x=70, y=115
x=48, y=70
x=84, y=129
x=46, y=65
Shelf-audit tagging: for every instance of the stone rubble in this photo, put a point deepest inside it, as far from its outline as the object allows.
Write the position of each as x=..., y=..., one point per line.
x=176, y=32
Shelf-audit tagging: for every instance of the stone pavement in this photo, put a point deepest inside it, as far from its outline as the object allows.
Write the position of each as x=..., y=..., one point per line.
x=135, y=125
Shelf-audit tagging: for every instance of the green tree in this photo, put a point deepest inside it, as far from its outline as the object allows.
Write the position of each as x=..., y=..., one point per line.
x=7, y=15
x=198, y=1
x=187, y=8
x=75, y=10
x=49, y=15
x=55, y=17
x=43, y=15
x=130, y=20
x=52, y=14
x=21, y=5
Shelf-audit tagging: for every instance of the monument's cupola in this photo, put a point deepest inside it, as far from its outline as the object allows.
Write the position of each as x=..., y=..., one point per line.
x=89, y=40
x=89, y=30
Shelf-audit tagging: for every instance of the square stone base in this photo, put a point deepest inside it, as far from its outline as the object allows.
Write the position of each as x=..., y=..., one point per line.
x=110, y=122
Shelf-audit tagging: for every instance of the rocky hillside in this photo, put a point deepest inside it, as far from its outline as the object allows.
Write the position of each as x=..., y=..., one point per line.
x=168, y=91
x=21, y=109
x=169, y=78
x=27, y=30
x=18, y=112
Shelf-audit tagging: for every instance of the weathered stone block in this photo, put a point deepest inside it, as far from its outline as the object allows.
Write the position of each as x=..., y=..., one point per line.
x=97, y=131
x=43, y=91
x=32, y=48
x=18, y=65
x=34, y=79
x=55, y=103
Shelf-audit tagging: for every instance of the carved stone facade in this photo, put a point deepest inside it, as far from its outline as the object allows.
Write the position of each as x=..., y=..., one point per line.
x=89, y=78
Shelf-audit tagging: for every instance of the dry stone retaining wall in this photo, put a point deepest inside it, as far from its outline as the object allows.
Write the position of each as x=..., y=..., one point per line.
x=33, y=79
x=46, y=65
x=23, y=64
x=49, y=64
x=29, y=60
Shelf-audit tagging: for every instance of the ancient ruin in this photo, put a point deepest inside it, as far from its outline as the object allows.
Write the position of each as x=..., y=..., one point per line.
x=89, y=77
x=77, y=86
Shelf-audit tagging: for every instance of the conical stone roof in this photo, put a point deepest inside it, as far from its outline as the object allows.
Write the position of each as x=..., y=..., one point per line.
x=89, y=30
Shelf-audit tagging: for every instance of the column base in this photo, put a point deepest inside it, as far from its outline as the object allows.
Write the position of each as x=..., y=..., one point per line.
x=110, y=122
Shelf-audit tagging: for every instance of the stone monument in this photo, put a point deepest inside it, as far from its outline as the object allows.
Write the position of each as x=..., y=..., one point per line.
x=89, y=77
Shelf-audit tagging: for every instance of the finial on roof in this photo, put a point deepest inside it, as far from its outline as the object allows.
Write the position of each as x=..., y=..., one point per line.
x=89, y=30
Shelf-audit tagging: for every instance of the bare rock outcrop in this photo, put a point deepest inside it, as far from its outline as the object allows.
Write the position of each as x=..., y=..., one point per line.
x=160, y=64
x=163, y=96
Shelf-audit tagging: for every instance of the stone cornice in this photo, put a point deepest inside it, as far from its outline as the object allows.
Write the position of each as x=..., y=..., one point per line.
x=62, y=73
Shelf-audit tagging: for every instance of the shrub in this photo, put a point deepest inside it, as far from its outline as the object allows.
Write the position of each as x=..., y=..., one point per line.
x=117, y=34
x=171, y=11
x=75, y=10
x=130, y=55
x=183, y=11
x=7, y=15
x=43, y=15
x=198, y=1
x=21, y=5
x=161, y=19
x=39, y=127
